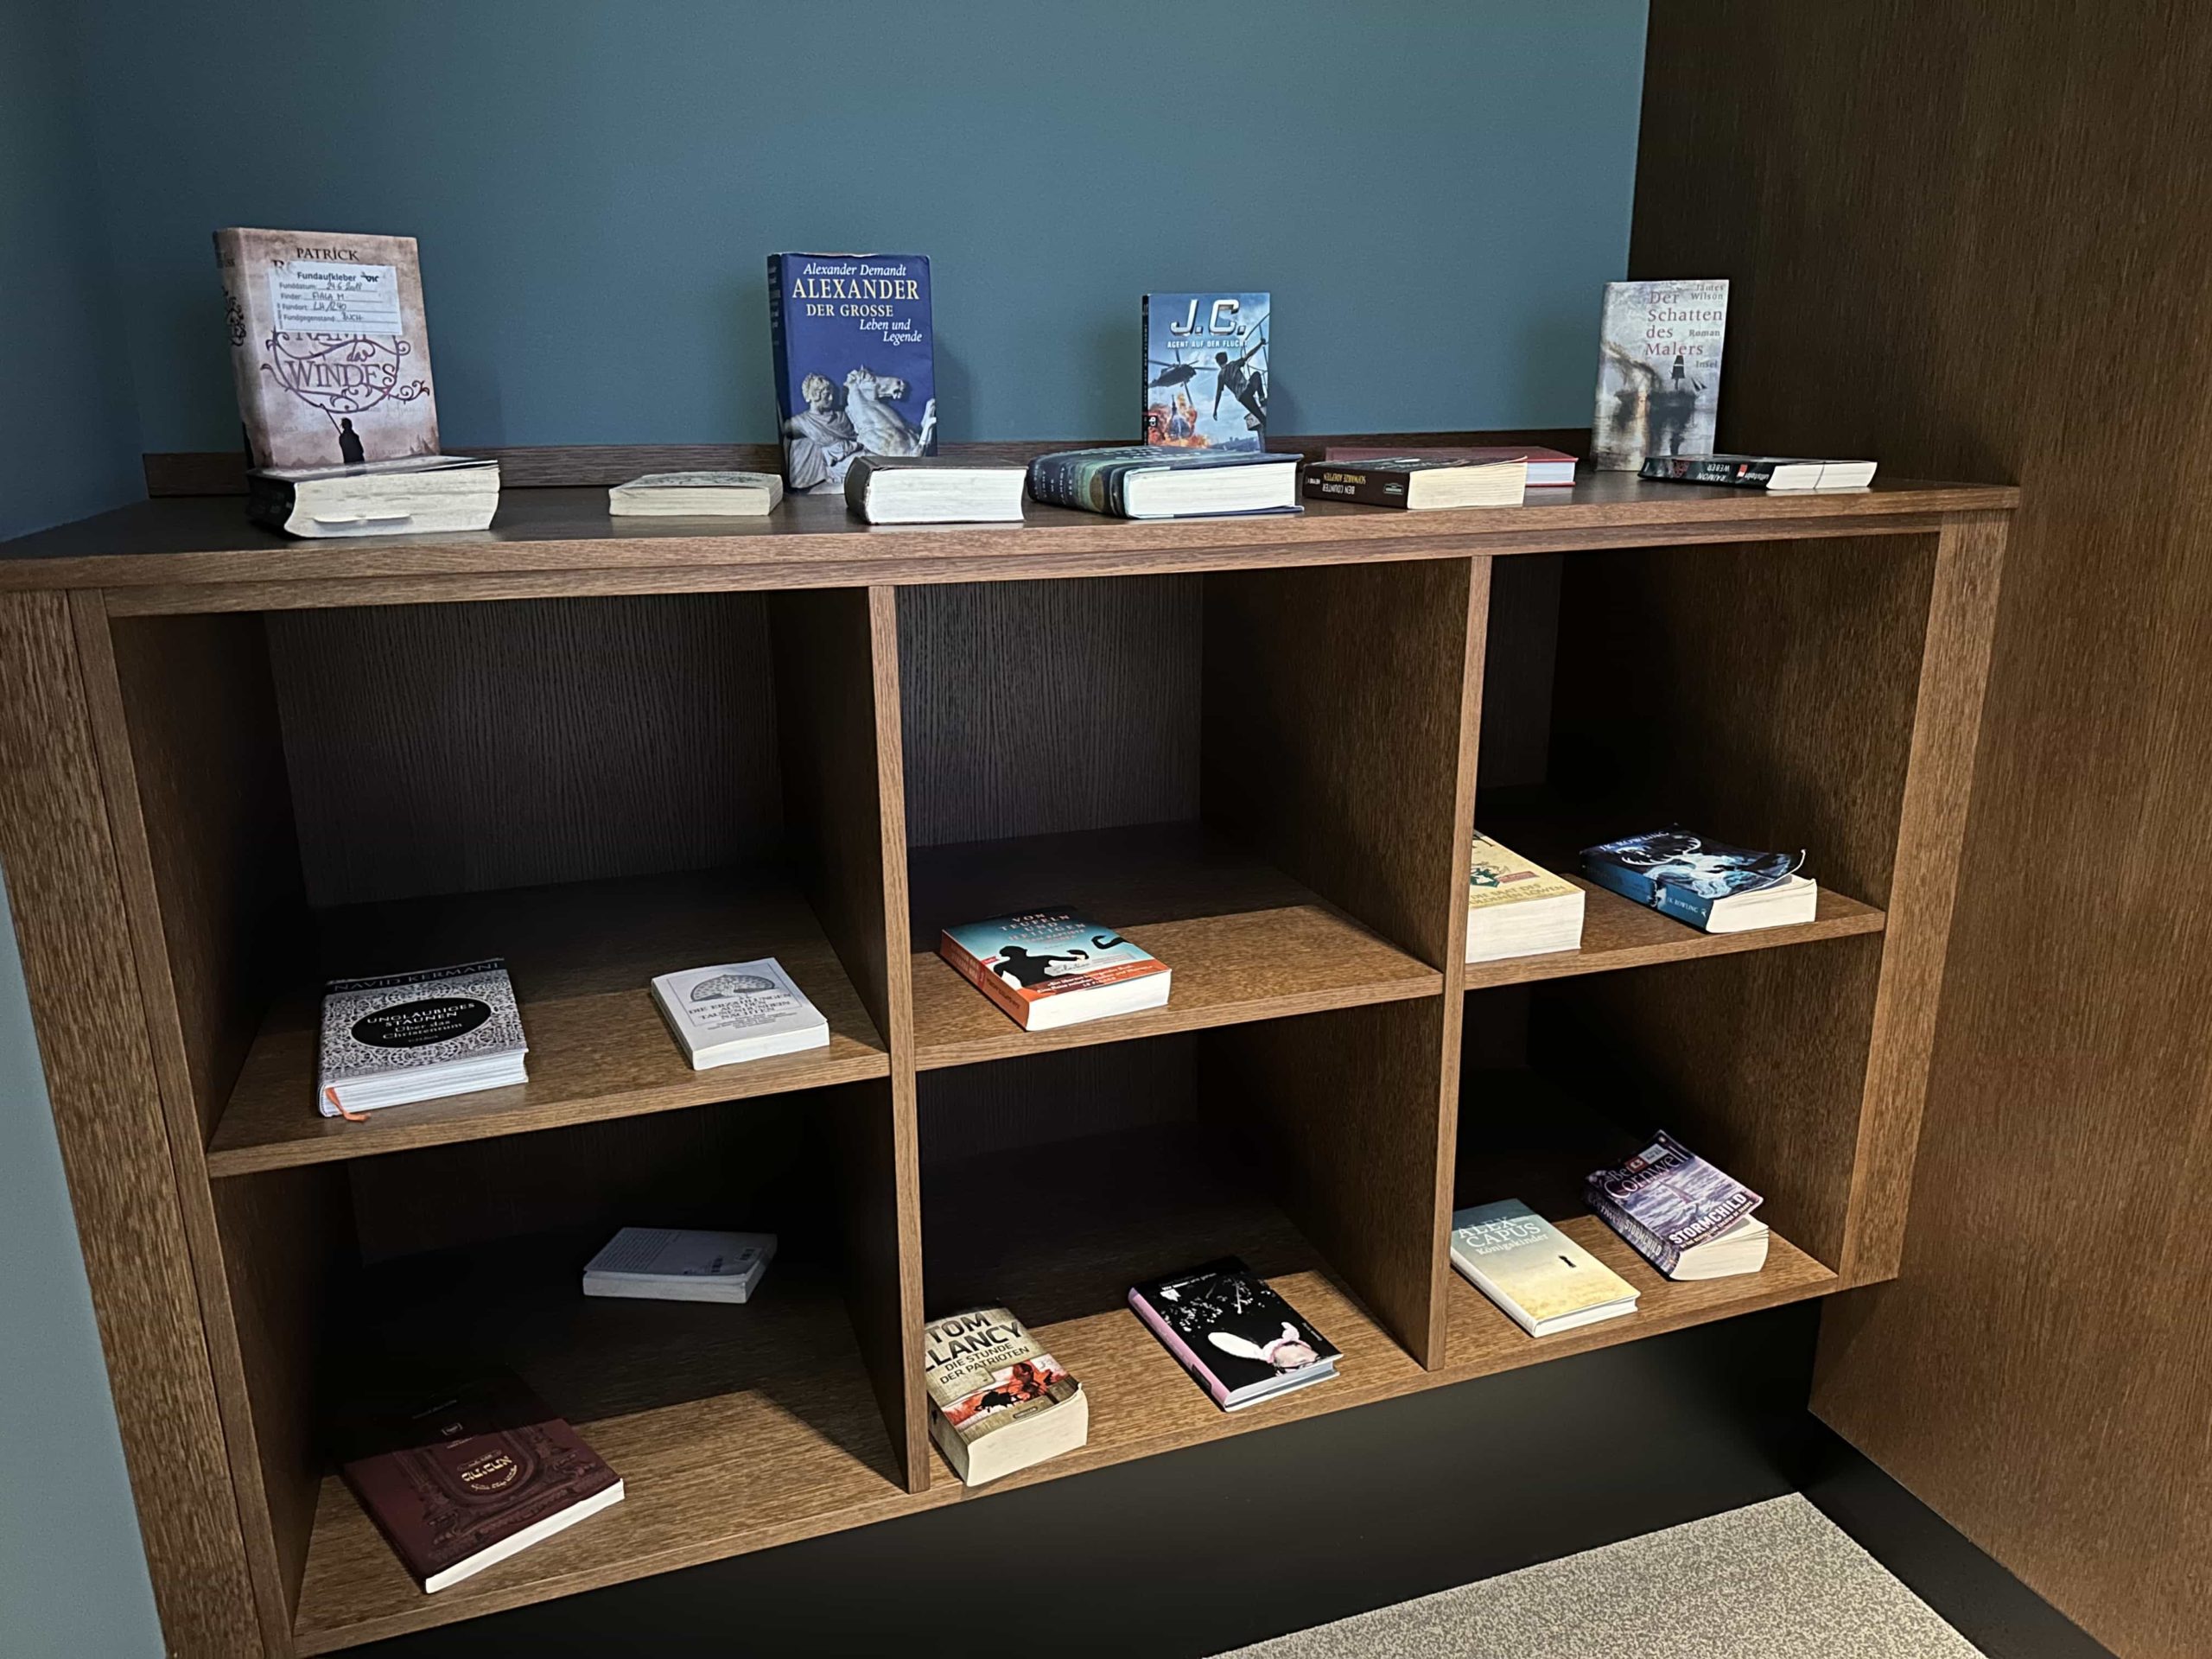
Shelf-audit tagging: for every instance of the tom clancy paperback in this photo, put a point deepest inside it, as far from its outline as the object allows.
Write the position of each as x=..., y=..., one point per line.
x=1658, y=371
x=1205, y=370
x=329, y=346
x=1050, y=968
x=1685, y=1217
x=998, y=1401
x=855, y=368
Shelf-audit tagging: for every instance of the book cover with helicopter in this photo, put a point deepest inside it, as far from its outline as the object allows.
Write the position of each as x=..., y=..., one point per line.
x=1205, y=370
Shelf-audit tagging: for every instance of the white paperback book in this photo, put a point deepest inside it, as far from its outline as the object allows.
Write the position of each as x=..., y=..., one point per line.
x=399, y=1037
x=670, y=1264
x=738, y=1011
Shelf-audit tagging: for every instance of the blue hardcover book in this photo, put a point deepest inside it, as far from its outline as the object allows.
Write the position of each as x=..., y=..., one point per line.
x=1205, y=370
x=856, y=373
x=1708, y=884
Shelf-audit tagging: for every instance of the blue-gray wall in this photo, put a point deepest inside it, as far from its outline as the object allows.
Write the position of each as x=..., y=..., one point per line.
x=1433, y=192
x=72, y=1579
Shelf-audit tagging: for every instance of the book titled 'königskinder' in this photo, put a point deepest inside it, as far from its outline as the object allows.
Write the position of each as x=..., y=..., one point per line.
x=469, y=1477
x=1050, y=968
x=1237, y=1339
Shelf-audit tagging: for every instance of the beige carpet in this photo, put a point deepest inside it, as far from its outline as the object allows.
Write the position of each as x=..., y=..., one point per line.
x=1777, y=1580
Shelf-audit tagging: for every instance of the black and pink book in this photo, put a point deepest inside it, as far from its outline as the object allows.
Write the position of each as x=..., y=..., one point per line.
x=1239, y=1340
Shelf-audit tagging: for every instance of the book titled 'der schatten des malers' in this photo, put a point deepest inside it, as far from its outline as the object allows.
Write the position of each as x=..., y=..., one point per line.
x=1050, y=968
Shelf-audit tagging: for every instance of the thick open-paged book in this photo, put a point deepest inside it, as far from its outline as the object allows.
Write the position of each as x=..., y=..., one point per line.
x=998, y=1401
x=330, y=346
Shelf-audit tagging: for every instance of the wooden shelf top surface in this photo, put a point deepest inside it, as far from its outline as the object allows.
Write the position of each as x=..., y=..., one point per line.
x=186, y=542
x=738, y=1428
x=582, y=957
x=1245, y=941
x=1618, y=932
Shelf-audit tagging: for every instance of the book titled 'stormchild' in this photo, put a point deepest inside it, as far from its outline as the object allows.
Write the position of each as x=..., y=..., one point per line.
x=856, y=367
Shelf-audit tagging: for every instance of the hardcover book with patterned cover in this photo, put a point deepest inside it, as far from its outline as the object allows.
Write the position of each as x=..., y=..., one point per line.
x=330, y=346
x=399, y=1037
x=471, y=1476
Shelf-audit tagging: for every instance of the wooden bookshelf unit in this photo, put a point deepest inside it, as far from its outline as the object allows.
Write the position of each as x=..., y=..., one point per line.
x=236, y=766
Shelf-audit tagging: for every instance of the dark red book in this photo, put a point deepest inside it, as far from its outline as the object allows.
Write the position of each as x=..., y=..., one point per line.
x=473, y=1476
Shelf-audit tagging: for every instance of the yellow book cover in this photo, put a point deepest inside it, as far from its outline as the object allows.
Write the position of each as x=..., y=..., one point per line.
x=1537, y=1274
x=1499, y=876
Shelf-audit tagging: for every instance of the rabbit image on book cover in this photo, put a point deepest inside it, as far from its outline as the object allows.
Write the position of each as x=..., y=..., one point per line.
x=880, y=427
x=1287, y=1352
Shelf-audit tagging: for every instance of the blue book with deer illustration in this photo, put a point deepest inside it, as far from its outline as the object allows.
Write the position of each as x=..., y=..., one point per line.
x=1205, y=370
x=856, y=365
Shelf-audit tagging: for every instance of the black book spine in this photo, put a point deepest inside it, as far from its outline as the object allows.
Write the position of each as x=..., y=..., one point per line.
x=270, y=501
x=1373, y=486
x=1709, y=469
x=1060, y=480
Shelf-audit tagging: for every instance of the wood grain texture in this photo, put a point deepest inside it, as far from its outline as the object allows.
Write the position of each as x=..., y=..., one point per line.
x=284, y=1239
x=1931, y=827
x=184, y=544
x=223, y=472
x=441, y=749
x=582, y=956
x=843, y=662
x=185, y=726
x=1976, y=252
x=1035, y=707
x=74, y=931
x=1245, y=941
x=1341, y=716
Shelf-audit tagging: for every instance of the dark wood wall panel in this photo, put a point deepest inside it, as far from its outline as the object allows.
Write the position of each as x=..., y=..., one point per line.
x=1971, y=242
x=970, y=1111
x=1036, y=707
x=452, y=748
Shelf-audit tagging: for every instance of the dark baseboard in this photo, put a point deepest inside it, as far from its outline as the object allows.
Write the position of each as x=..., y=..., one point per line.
x=1979, y=1597
x=1209, y=1549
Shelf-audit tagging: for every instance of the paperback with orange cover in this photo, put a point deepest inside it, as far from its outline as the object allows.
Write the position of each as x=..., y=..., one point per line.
x=1048, y=967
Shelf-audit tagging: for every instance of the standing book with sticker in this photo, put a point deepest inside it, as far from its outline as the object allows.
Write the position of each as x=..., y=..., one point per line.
x=1205, y=370
x=330, y=346
x=396, y=1038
